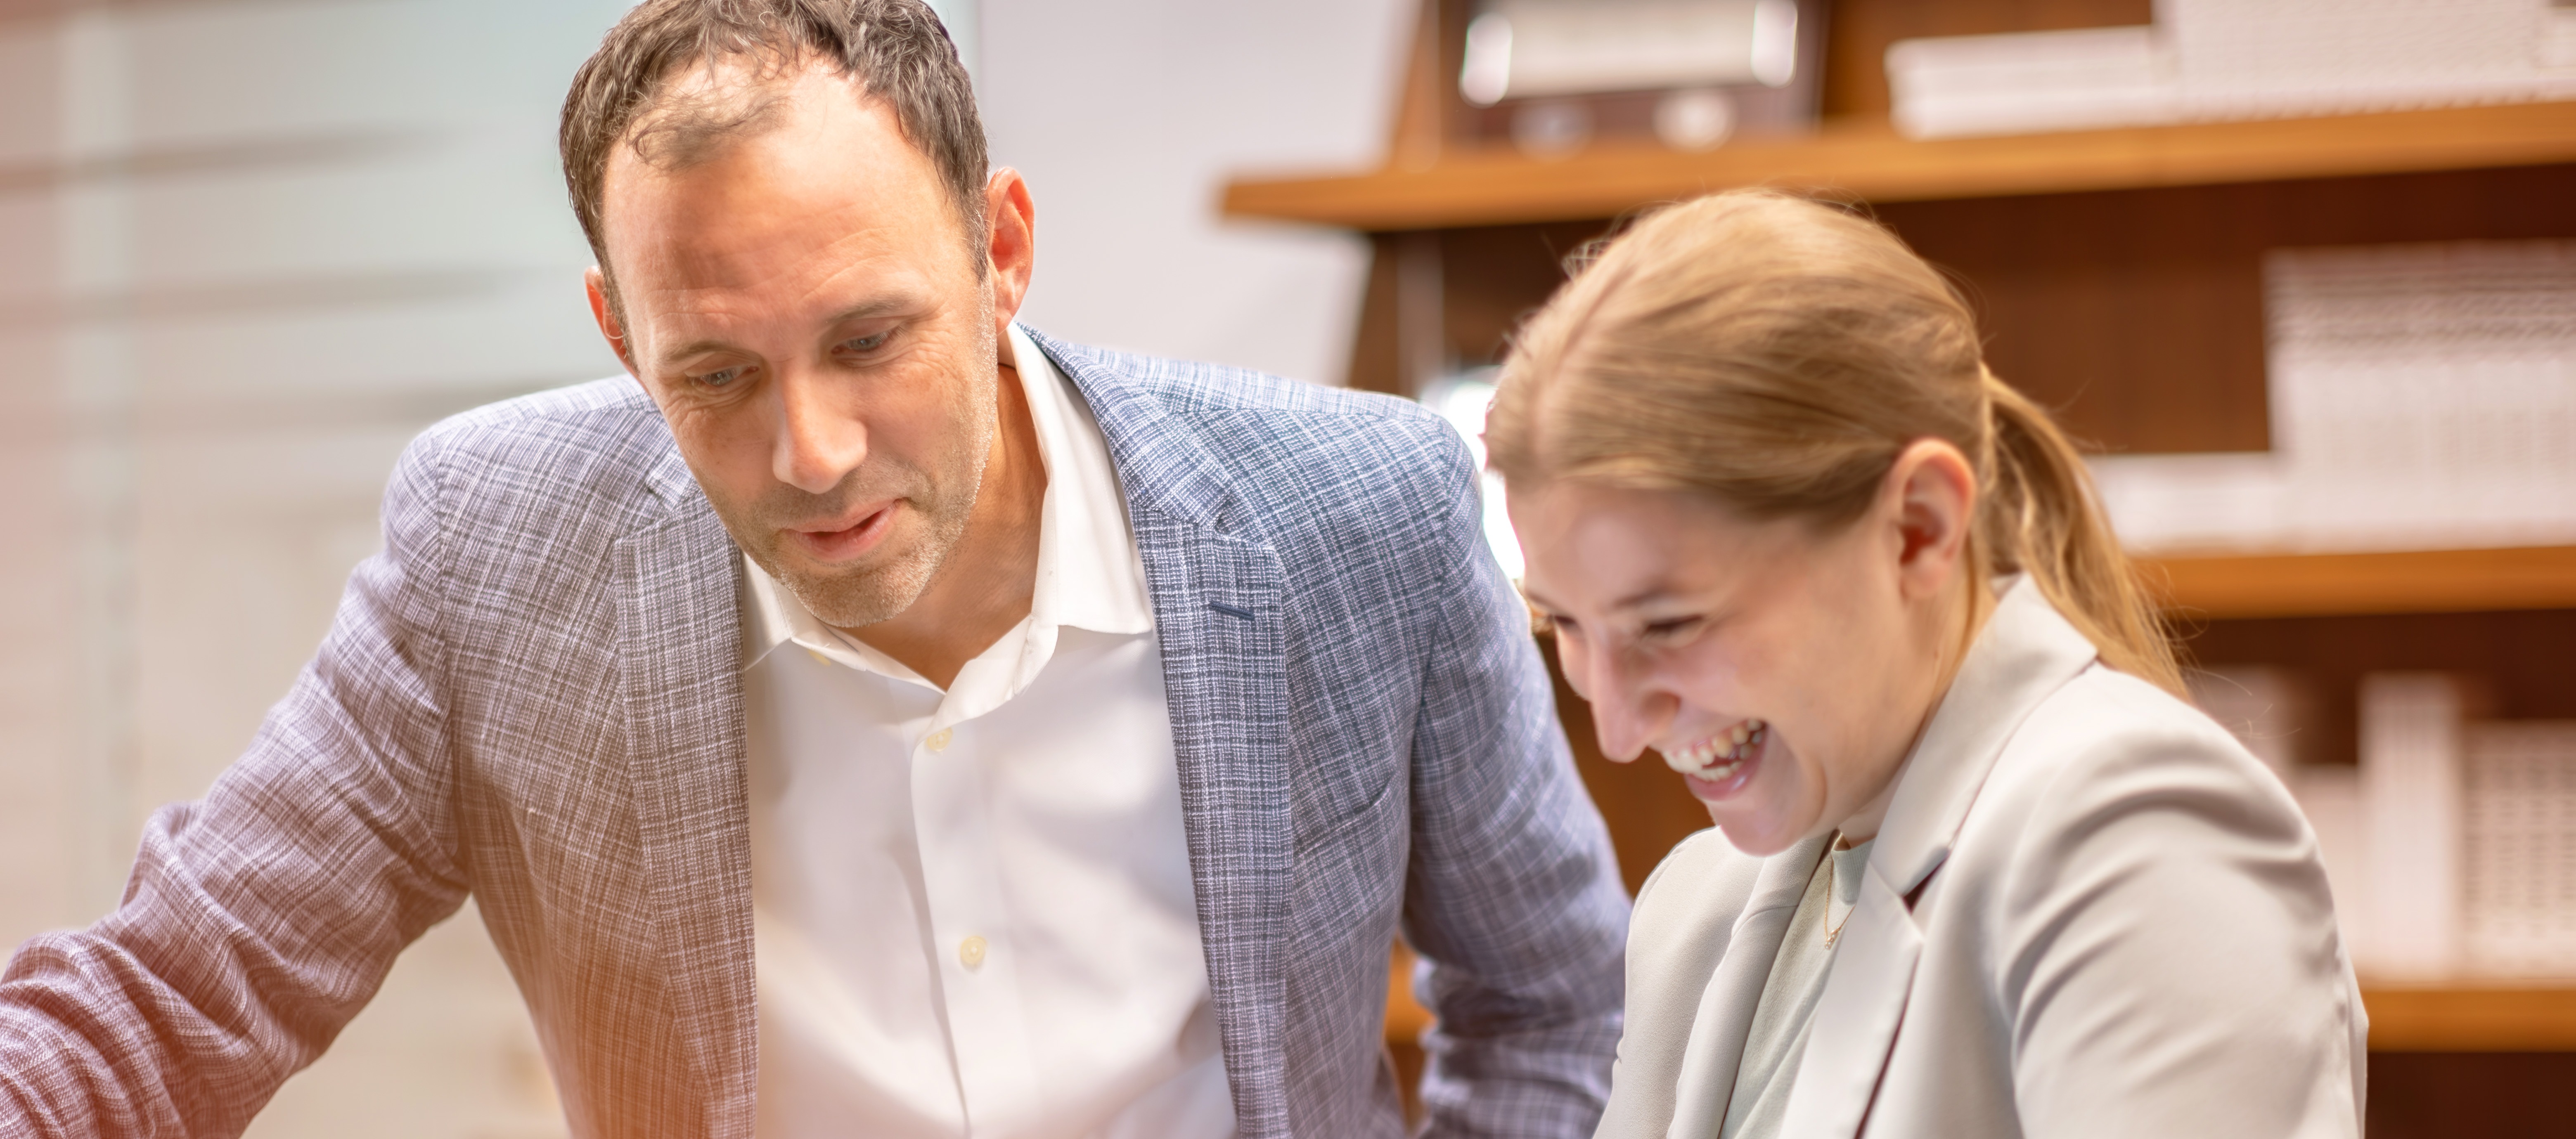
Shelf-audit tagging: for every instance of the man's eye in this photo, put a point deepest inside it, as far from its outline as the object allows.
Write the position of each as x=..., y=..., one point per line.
x=718, y=378
x=1667, y=630
x=868, y=343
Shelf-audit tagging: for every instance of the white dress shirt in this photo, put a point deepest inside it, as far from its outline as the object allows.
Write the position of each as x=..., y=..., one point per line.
x=972, y=909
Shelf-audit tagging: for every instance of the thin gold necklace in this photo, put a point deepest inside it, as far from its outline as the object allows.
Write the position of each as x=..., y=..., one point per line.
x=1835, y=930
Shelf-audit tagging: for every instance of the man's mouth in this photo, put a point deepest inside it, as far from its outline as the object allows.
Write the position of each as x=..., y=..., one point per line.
x=843, y=543
x=1713, y=763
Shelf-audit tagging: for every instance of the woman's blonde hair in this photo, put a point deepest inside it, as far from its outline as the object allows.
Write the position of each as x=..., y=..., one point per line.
x=1776, y=355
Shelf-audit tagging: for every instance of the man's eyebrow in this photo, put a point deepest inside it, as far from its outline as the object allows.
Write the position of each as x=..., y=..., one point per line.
x=865, y=309
x=692, y=349
x=860, y=311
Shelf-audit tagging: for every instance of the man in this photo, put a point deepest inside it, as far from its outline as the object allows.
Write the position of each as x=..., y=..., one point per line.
x=877, y=718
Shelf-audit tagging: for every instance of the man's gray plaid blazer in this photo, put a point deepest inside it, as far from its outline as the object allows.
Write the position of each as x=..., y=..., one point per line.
x=534, y=696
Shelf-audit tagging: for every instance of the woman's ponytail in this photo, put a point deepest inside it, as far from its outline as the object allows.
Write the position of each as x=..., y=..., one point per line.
x=2040, y=517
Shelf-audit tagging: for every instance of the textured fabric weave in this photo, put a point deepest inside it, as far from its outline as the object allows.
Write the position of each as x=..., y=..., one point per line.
x=534, y=696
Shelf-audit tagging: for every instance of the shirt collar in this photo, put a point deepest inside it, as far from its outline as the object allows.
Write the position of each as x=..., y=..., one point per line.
x=1089, y=574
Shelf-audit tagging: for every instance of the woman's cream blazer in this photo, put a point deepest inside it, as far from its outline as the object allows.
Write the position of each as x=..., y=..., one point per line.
x=2089, y=913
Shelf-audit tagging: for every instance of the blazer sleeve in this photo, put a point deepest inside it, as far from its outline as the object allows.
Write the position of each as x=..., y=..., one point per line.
x=1512, y=897
x=260, y=919
x=2167, y=950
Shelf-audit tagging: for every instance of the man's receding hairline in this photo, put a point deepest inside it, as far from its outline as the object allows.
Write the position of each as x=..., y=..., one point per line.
x=755, y=93
x=769, y=82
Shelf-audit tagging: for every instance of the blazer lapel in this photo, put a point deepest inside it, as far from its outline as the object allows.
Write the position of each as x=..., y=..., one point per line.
x=1217, y=590
x=1216, y=611
x=1734, y=991
x=1856, y=1017
x=2025, y=652
x=679, y=635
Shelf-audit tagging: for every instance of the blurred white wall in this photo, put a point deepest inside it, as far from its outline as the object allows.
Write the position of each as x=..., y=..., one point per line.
x=248, y=248
x=1126, y=116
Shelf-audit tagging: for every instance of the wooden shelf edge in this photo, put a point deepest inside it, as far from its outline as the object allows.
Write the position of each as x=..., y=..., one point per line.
x=2447, y=1019
x=1869, y=160
x=2416, y=581
x=2465, y=1019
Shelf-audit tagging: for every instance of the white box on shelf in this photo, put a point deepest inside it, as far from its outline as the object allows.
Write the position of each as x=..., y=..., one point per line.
x=2423, y=396
x=2181, y=503
x=2216, y=60
x=1518, y=49
x=2558, y=39
x=2520, y=872
x=2240, y=59
x=2080, y=79
x=2411, y=807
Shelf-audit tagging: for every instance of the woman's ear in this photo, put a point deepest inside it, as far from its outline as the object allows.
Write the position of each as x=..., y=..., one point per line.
x=1932, y=491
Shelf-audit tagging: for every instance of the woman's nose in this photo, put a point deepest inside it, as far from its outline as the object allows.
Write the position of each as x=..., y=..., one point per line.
x=1628, y=708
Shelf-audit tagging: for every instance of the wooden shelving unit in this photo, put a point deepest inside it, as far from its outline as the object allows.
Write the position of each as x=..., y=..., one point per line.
x=2117, y=274
x=2415, y=581
x=2472, y=1019
x=2446, y=1019
x=1867, y=159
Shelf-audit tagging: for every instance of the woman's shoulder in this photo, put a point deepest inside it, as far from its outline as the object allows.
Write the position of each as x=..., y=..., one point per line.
x=2106, y=725
x=2112, y=763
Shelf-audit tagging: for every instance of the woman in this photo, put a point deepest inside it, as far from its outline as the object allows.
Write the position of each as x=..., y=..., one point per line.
x=1978, y=869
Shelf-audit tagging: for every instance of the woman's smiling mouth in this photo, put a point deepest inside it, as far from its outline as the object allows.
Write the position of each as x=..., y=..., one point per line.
x=1722, y=756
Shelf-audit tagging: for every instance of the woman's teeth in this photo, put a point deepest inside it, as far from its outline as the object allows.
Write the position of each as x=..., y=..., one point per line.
x=1720, y=755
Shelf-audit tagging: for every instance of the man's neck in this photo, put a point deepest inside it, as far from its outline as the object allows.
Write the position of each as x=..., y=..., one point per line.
x=990, y=578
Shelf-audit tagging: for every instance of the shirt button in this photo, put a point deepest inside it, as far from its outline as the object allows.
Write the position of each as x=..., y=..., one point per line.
x=971, y=951
x=938, y=741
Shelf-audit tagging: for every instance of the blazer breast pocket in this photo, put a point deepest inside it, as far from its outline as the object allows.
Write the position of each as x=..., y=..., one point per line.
x=1359, y=803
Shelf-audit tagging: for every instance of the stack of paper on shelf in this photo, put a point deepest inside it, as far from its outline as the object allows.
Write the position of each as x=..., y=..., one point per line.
x=2452, y=848
x=2520, y=886
x=2206, y=60
x=2411, y=821
x=2422, y=397
x=2081, y=79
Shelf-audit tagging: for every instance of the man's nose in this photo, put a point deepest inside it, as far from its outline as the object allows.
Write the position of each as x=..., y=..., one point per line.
x=818, y=442
x=1628, y=707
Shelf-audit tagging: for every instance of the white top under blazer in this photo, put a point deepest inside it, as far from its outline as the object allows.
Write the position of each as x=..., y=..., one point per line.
x=2089, y=913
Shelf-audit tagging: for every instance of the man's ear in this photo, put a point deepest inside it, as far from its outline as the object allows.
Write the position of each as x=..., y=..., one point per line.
x=1932, y=490
x=1011, y=225
x=596, y=284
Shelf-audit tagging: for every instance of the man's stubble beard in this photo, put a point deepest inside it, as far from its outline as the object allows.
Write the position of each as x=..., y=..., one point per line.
x=858, y=597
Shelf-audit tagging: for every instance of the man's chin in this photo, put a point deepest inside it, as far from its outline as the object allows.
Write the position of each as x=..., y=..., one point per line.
x=847, y=597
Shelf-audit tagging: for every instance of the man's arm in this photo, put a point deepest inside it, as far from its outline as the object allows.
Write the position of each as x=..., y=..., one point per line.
x=258, y=921
x=1513, y=895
